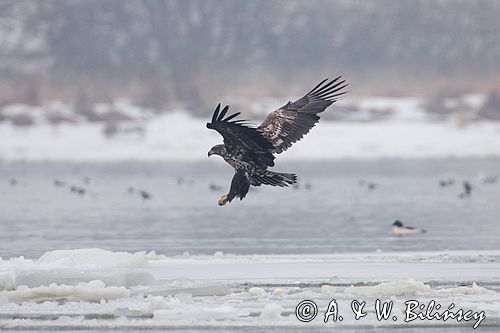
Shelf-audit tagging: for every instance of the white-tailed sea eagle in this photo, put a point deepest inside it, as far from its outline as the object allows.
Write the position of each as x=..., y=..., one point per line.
x=250, y=150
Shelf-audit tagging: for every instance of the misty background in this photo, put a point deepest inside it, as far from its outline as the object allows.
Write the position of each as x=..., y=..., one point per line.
x=162, y=52
x=87, y=72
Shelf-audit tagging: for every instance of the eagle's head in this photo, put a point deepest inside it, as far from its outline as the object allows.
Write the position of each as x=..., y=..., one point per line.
x=217, y=150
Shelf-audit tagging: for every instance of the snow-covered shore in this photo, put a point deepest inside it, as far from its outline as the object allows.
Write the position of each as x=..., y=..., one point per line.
x=406, y=131
x=98, y=289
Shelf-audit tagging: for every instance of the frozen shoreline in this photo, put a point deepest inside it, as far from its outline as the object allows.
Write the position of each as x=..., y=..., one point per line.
x=407, y=131
x=329, y=141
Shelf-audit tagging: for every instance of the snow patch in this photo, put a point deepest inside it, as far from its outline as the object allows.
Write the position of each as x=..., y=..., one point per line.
x=406, y=132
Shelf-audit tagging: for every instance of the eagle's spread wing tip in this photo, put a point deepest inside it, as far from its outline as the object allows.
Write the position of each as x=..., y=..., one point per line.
x=216, y=113
x=292, y=121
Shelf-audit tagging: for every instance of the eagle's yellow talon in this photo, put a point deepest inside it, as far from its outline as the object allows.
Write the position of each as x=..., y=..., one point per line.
x=223, y=200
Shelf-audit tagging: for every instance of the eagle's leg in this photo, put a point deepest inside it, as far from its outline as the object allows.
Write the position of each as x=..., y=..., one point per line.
x=239, y=188
x=223, y=200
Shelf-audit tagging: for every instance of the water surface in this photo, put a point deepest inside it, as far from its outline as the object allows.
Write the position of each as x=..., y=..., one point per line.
x=334, y=214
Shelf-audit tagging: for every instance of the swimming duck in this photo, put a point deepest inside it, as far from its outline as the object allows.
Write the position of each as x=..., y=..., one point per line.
x=401, y=230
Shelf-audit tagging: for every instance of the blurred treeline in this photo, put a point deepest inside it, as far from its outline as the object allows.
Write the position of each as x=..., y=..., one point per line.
x=160, y=52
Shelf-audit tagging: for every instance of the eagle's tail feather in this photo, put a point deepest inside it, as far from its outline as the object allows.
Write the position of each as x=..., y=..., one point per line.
x=273, y=178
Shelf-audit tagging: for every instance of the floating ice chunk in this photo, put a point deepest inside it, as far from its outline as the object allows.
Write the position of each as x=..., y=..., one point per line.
x=256, y=291
x=7, y=280
x=152, y=255
x=136, y=307
x=328, y=290
x=222, y=255
x=112, y=277
x=95, y=259
x=280, y=292
x=16, y=264
x=71, y=320
x=271, y=311
x=93, y=291
x=161, y=303
x=185, y=298
x=219, y=254
x=411, y=287
x=196, y=314
x=463, y=290
x=202, y=290
x=408, y=287
x=217, y=313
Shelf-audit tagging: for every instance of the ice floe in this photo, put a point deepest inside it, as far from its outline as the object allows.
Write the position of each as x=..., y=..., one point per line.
x=7, y=280
x=69, y=288
x=96, y=258
x=328, y=290
x=93, y=291
x=271, y=311
x=411, y=287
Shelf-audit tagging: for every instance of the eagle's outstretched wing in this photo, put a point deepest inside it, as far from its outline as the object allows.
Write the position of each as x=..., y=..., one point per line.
x=292, y=121
x=242, y=139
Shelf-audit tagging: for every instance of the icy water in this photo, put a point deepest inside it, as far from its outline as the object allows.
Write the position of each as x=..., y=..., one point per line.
x=331, y=211
x=244, y=267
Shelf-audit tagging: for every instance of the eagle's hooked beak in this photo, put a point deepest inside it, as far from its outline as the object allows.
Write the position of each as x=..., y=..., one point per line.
x=210, y=152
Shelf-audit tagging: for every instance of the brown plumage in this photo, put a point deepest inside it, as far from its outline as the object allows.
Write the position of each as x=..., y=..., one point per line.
x=292, y=121
x=250, y=150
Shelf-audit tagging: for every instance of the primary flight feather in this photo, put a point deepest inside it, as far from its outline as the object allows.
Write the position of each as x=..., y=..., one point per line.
x=250, y=150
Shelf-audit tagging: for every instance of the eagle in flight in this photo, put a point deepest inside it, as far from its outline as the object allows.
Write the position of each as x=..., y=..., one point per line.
x=250, y=150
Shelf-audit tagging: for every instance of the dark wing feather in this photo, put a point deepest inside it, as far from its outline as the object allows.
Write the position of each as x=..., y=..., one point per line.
x=292, y=121
x=242, y=139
